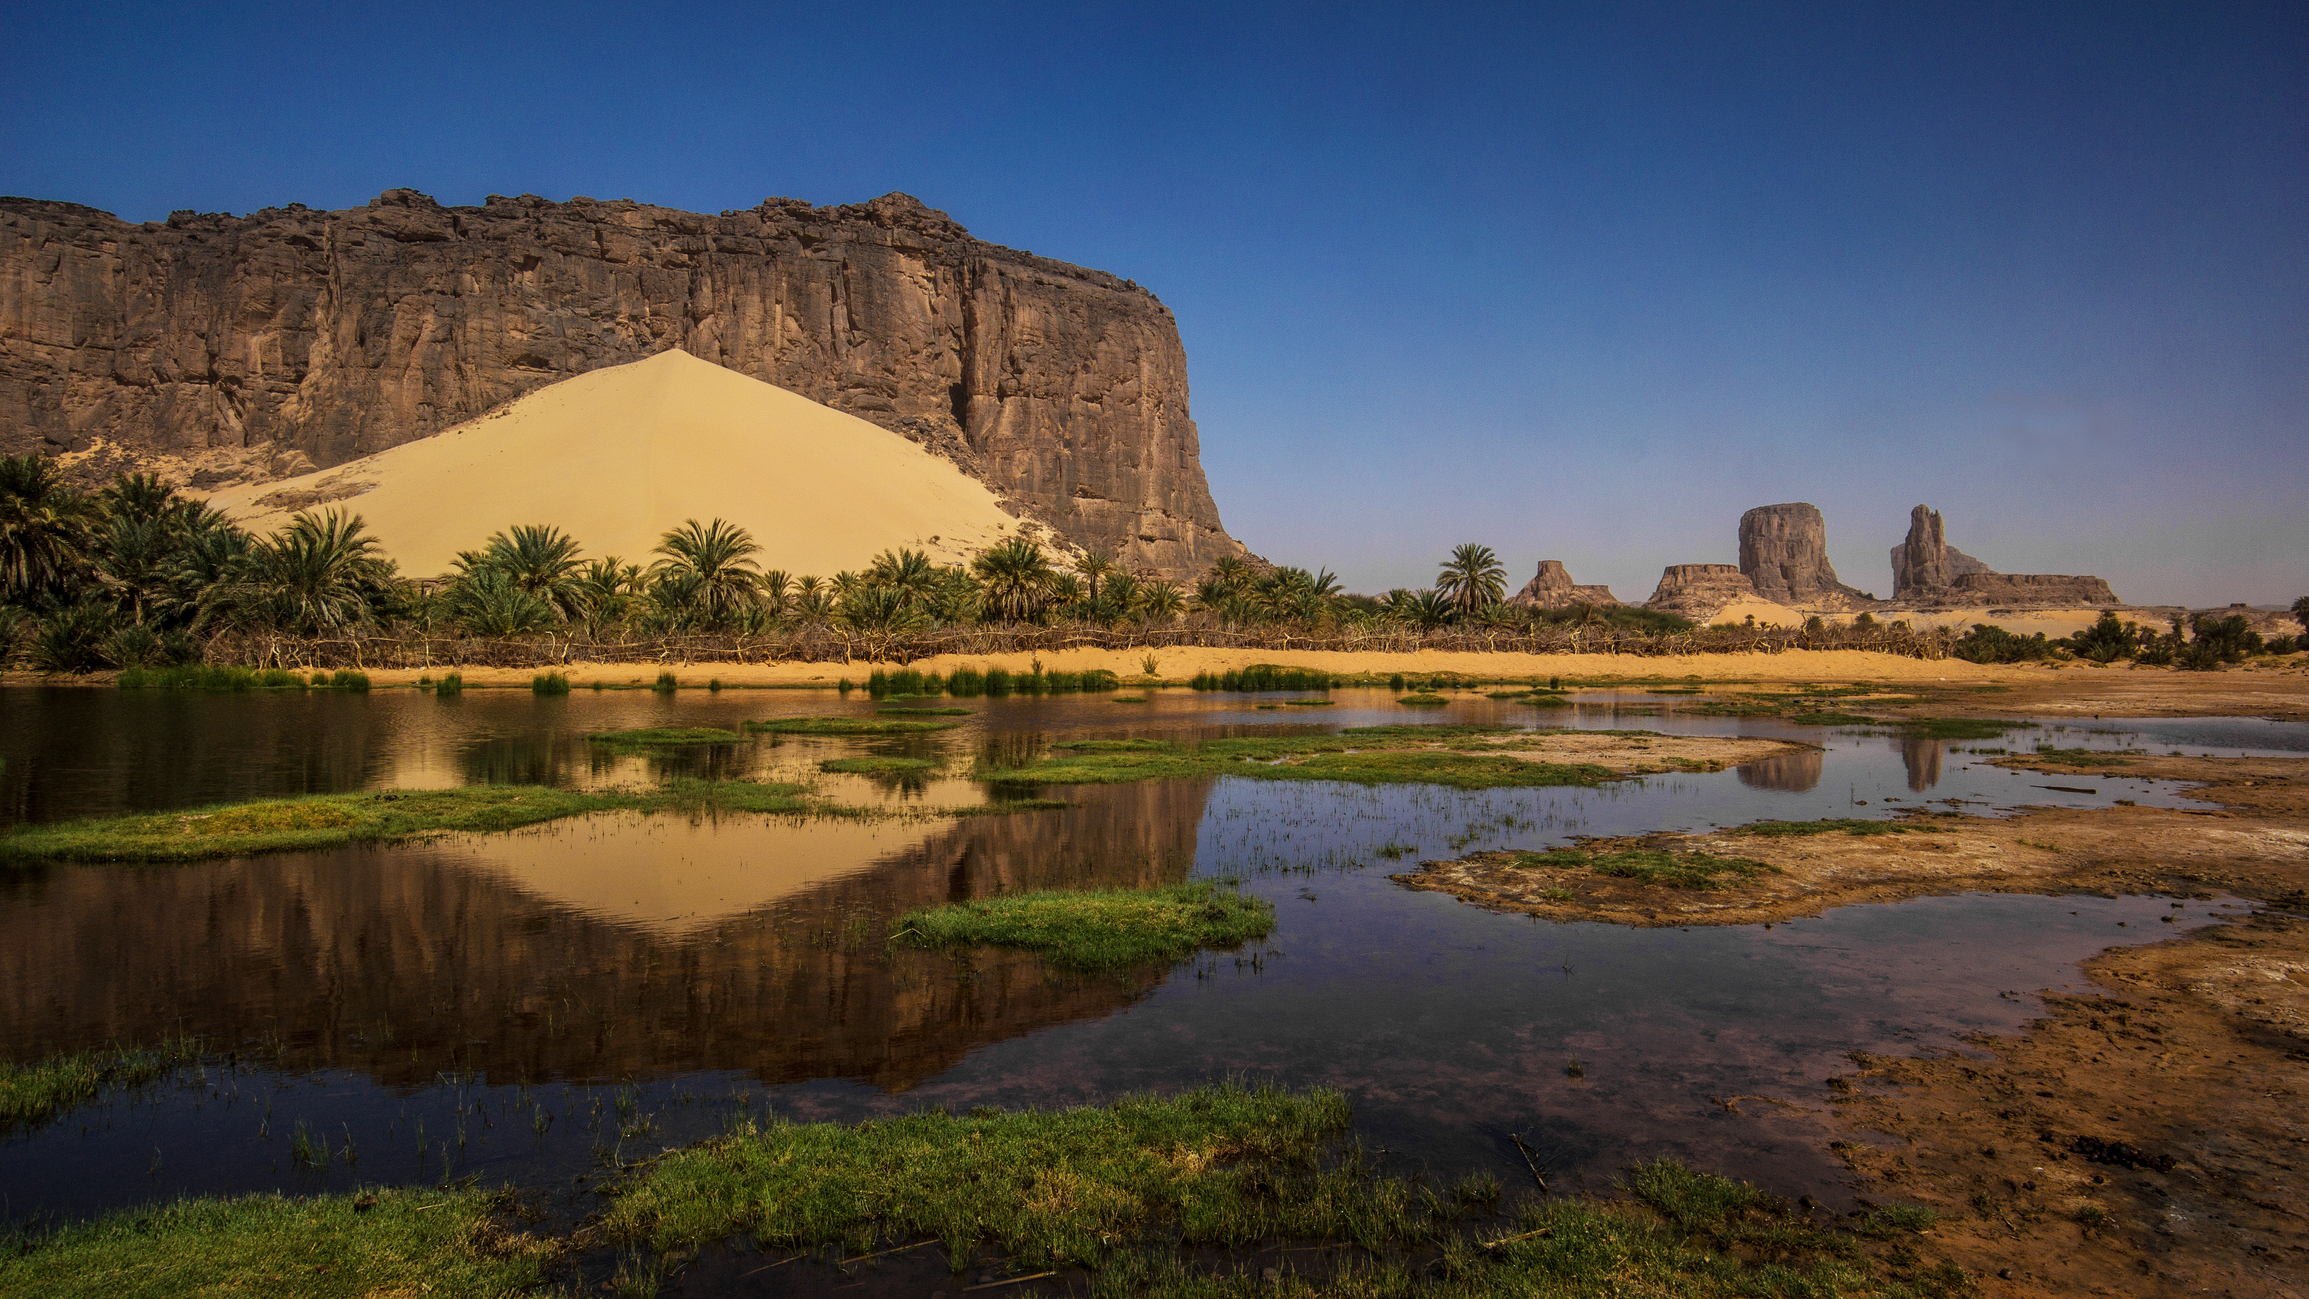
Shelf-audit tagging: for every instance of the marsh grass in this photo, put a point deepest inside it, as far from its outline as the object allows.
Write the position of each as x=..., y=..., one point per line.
x=201, y=676
x=35, y=1092
x=451, y=684
x=1423, y=700
x=1833, y=825
x=659, y=737
x=549, y=683
x=388, y=1241
x=1370, y=755
x=901, y=710
x=1095, y=929
x=879, y=766
x=1651, y=867
x=335, y=820
x=665, y=684
x=2067, y=757
x=849, y=725
x=1262, y=677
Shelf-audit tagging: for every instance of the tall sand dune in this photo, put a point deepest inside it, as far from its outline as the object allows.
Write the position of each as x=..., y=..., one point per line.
x=620, y=455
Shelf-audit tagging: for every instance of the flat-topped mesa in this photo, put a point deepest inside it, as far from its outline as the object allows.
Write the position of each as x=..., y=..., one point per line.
x=1925, y=560
x=1699, y=591
x=1927, y=572
x=1552, y=588
x=292, y=339
x=1784, y=552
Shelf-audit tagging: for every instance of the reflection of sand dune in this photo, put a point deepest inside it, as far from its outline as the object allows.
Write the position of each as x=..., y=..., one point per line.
x=1794, y=772
x=399, y=962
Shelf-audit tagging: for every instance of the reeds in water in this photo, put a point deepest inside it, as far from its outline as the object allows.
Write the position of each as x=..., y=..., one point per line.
x=549, y=683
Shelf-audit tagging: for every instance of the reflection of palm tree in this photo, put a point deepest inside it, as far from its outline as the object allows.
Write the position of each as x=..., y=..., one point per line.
x=718, y=556
x=1017, y=578
x=1471, y=579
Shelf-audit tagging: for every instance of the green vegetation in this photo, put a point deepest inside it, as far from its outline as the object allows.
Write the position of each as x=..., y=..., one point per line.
x=549, y=683
x=1260, y=677
x=897, y=710
x=665, y=684
x=847, y=725
x=452, y=684
x=1309, y=703
x=879, y=766
x=217, y=680
x=1960, y=728
x=1423, y=700
x=658, y=737
x=387, y=1241
x=334, y=820
x=1832, y=825
x=1371, y=755
x=2068, y=757
x=36, y=1092
x=1649, y=867
x=1096, y=929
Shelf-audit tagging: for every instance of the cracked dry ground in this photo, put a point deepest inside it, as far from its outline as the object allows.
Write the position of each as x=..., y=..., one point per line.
x=2146, y=1142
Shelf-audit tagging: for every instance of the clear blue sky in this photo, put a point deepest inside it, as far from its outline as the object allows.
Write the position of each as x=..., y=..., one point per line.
x=1579, y=284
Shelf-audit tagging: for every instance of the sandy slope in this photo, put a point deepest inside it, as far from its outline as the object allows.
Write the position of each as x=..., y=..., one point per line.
x=618, y=456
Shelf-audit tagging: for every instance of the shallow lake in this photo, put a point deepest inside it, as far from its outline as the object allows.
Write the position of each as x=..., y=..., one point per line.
x=526, y=1006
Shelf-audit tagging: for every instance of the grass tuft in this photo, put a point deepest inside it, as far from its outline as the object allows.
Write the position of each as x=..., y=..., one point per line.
x=849, y=725
x=658, y=737
x=549, y=683
x=1096, y=929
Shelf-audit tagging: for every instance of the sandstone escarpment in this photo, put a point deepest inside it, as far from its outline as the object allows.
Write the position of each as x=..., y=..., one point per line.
x=1784, y=553
x=1927, y=573
x=1699, y=591
x=332, y=335
x=1552, y=588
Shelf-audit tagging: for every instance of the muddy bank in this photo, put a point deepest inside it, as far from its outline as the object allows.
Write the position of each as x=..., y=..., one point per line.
x=2253, y=842
x=2148, y=1142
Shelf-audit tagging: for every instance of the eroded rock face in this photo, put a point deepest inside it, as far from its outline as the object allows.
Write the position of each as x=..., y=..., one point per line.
x=2055, y=590
x=1699, y=591
x=1925, y=560
x=339, y=334
x=1552, y=588
x=1784, y=552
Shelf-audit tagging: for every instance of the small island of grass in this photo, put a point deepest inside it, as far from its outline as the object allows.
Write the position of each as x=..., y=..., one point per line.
x=1370, y=755
x=872, y=766
x=1095, y=929
x=850, y=725
x=659, y=737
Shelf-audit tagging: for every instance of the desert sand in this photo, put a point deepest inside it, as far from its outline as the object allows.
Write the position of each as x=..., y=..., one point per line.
x=618, y=456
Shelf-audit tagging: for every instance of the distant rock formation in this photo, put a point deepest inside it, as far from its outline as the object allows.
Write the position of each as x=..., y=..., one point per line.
x=1928, y=572
x=328, y=336
x=1925, y=560
x=1552, y=588
x=1699, y=591
x=1784, y=553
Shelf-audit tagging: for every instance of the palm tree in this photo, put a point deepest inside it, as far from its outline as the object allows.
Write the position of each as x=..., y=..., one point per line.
x=956, y=599
x=45, y=527
x=777, y=591
x=1428, y=610
x=1162, y=601
x=908, y=572
x=538, y=558
x=719, y=556
x=1471, y=579
x=605, y=592
x=1094, y=566
x=318, y=574
x=1017, y=578
x=492, y=603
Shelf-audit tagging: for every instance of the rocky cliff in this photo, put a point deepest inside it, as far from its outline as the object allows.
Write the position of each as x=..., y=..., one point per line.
x=294, y=338
x=1784, y=553
x=1552, y=588
x=1928, y=573
x=1699, y=591
x=1925, y=560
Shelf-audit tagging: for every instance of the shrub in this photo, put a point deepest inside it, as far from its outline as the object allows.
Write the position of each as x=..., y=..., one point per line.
x=2227, y=639
x=553, y=683
x=133, y=647
x=351, y=682
x=320, y=678
x=964, y=683
x=73, y=641
x=2105, y=641
x=998, y=681
x=1395, y=683
x=1987, y=643
x=452, y=684
x=665, y=684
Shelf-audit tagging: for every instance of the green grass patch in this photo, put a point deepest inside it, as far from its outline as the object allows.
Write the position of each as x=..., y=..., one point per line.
x=33, y=1093
x=879, y=766
x=659, y=737
x=1370, y=755
x=850, y=725
x=902, y=711
x=2066, y=757
x=1423, y=700
x=1096, y=929
x=323, y=821
x=1830, y=825
x=387, y=1242
x=1960, y=728
x=1309, y=703
x=1651, y=867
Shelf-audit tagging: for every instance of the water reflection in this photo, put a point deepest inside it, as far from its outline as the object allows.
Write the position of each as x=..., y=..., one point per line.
x=1795, y=773
x=1922, y=758
x=607, y=948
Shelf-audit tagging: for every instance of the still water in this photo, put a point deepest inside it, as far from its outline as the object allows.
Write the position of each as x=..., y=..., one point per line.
x=527, y=1006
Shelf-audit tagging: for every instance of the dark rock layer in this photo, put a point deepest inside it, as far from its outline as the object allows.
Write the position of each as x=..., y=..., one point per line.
x=337, y=334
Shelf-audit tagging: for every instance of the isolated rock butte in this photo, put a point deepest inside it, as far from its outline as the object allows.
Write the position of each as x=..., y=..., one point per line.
x=1552, y=588
x=1925, y=560
x=1784, y=552
x=1699, y=591
x=317, y=337
x=1928, y=572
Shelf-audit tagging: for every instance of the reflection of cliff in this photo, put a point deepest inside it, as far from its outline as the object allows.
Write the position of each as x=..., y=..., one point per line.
x=1793, y=772
x=402, y=962
x=1922, y=758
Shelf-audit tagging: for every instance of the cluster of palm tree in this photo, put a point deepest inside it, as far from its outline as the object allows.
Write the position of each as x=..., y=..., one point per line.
x=136, y=574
